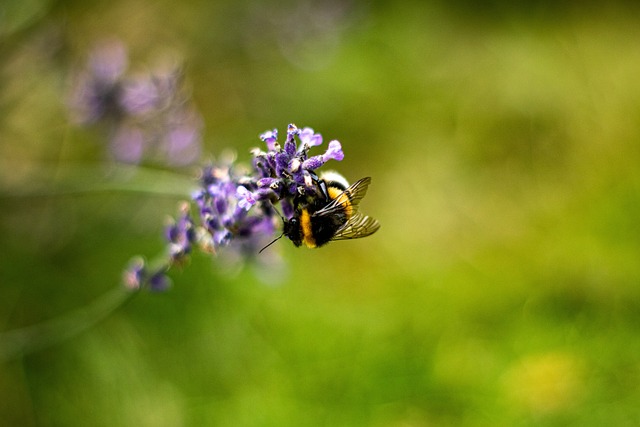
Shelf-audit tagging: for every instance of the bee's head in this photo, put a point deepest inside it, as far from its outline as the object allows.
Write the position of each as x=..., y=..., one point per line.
x=292, y=230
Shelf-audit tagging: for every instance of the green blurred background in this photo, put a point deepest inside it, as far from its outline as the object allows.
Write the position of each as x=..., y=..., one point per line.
x=502, y=289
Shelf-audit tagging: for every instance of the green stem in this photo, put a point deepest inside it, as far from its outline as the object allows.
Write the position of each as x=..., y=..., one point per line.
x=19, y=342
x=91, y=179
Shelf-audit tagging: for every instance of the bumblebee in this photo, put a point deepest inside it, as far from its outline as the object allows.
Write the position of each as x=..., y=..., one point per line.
x=330, y=213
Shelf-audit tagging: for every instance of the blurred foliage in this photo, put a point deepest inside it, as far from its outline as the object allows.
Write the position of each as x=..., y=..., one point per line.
x=502, y=289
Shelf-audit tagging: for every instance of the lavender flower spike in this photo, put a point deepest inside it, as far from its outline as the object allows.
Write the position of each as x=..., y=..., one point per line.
x=181, y=235
x=236, y=209
x=138, y=276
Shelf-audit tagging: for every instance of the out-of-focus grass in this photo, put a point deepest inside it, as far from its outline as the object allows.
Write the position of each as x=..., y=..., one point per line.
x=501, y=289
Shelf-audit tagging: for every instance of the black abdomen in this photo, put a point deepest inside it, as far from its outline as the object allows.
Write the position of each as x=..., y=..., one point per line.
x=325, y=227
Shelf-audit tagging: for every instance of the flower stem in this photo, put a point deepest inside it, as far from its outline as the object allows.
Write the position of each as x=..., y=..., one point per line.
x=19, y=342
x=91, y=179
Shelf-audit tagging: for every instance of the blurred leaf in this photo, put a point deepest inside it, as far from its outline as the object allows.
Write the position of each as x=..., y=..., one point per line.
x=18, y=14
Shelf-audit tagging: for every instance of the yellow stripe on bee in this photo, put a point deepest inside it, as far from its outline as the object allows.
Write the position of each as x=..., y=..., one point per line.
x=305, y=226
x=343, y=199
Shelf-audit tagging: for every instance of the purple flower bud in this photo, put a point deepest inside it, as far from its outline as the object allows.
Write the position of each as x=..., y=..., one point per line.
x=181, y=235
x=292, y=131
x=313, y=163
x=290, y=148
x=134, y=276
x=282, y=163
x=159, y=282
x=270, y=138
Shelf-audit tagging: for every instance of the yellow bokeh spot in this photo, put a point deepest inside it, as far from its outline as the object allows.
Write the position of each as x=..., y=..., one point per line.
x=545, y=384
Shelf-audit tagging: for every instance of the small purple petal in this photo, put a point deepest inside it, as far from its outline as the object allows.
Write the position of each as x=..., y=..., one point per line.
x=309, y=138
x=292, y=131
x=245, y=198
x=333, y=152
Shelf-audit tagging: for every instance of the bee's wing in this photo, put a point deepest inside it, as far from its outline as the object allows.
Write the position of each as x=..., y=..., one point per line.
x=357, y=190
x=355, y=193
x=358, y=226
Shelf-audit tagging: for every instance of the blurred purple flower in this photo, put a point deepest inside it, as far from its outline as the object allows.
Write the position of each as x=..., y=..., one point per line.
x=109, y=61
x=97, y=90
x=128, y=144
x=181, y=235
x=139, y=96
x=182, y=143
x=133, y=276
x=230, y=214
x=138, y=275
x=149, y=116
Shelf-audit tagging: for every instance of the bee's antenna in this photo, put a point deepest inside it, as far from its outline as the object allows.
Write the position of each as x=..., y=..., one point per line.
x=284, y=221
x=272, y=242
